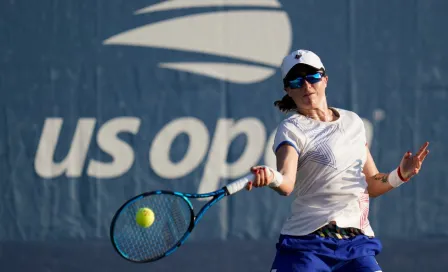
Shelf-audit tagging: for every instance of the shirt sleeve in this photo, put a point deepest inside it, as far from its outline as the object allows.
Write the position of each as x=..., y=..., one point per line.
x=363, y=130
x=288, y=134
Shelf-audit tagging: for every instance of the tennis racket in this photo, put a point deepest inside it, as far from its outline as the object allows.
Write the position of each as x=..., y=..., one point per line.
x=174, y=220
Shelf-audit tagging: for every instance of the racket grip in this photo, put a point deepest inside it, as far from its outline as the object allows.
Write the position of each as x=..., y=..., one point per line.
x=239, y=184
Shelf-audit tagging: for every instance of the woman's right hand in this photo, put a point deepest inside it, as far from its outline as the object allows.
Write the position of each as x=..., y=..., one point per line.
x=263, y=176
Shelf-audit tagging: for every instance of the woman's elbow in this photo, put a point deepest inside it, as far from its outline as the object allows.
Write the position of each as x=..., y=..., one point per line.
x=283, y=191
x=286, y=191
x=372, y=193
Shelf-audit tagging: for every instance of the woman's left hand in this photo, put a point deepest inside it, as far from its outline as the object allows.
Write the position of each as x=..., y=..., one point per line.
x=410, y=165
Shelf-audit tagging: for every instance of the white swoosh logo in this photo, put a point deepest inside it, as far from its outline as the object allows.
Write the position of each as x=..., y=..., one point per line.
x=260, y=37
x=237, y=73
x=182, y=4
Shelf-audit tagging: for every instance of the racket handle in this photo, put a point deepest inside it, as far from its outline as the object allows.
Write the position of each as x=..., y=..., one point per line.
x=239, y=184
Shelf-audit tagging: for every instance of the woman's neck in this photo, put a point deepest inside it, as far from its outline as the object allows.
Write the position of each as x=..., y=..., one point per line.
x=323, y=114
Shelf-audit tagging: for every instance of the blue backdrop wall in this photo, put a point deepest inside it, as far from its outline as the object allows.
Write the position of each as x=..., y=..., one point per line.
x=103, y=100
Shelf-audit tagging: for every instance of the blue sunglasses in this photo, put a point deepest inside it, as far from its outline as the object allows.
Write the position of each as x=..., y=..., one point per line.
x=298, y=82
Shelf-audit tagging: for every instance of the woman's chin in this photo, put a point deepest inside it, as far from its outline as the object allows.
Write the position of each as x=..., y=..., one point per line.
x=309, y=103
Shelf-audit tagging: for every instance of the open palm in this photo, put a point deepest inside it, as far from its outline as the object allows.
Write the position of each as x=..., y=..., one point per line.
x=410, y=165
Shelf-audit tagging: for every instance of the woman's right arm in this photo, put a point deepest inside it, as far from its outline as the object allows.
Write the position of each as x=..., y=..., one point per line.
x=287, y=160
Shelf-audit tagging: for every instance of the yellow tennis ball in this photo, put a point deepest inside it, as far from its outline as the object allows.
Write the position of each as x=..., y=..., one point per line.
x=145, y=217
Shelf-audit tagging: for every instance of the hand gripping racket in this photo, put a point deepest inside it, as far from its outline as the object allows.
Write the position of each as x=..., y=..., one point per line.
x=174, y=220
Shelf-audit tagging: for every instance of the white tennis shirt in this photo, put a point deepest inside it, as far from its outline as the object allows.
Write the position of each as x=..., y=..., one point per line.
x=330, y=184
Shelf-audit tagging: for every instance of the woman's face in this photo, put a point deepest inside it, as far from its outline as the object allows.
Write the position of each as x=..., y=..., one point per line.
x=308, y=92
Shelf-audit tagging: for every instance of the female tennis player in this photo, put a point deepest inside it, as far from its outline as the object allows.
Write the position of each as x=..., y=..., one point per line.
x=323, y=159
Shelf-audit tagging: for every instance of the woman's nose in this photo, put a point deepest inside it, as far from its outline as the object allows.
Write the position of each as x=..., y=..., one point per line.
x=306, y=85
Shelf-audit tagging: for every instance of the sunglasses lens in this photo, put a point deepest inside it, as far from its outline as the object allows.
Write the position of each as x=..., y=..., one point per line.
x=296, y=83
x=314, y=78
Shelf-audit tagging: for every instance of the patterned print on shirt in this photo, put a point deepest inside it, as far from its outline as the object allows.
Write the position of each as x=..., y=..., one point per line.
x=319, y=151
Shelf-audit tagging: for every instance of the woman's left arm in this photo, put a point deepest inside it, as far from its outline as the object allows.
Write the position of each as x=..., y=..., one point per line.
x=380, y=183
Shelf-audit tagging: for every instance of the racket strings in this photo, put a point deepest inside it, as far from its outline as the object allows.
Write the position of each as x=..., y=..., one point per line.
x=172, y=220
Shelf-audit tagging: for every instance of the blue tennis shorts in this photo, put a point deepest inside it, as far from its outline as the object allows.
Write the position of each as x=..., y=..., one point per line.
x=314, y=253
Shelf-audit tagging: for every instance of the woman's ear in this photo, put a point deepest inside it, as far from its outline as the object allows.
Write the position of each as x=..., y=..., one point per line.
x=287, y=89
x=325, y=78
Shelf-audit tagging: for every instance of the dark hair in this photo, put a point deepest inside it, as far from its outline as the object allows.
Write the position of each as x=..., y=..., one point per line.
x=287, y=104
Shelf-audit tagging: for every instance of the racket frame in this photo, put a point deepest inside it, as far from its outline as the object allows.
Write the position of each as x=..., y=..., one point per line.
x=217, y=195
x=195, y=218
